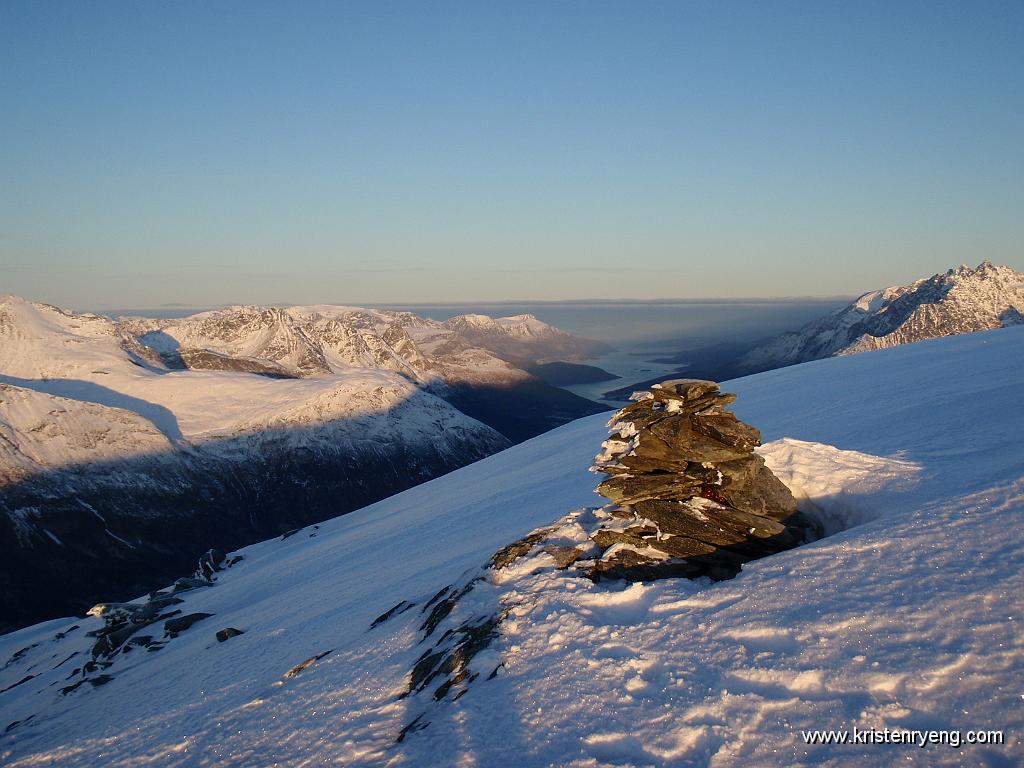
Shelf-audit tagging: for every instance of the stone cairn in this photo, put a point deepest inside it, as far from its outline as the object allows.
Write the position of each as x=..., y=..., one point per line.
x=690, y=496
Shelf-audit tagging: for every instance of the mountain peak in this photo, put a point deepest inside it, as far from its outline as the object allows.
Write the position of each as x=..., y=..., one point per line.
x=963, y=299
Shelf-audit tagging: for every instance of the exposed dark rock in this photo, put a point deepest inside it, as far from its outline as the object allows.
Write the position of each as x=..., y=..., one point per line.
x=210, y=563
x=749, y=485
x=15, y=685
x=122, y=620
x=727, y=429
x=688, y=390
x=401, y=608
x=452, y=661
x=186, y=583
x=73, y=687
x=16, y=656
x=227, y=633
x=517, y=549
x=93, y=665
x=440, y=593
x=714, y=523
x=628, y=489
x=422, y=671
x=208, y=360
x=95, y=682
x=416, y=724
x=179, y=624
x=306, y=664
x=65, y=633
x=564, y=556
x=67, y=659
x=444, y=607
x=16, y=723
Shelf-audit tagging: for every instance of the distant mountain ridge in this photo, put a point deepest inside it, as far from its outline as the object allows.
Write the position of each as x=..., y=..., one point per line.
x=961, y=300
x=320, y=339
x=130, y=445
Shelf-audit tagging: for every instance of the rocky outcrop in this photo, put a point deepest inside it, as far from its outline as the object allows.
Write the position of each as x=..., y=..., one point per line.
x=689, y=495
x=127, y=628
x=121, y=621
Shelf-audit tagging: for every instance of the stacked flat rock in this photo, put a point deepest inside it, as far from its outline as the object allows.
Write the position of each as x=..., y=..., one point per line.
x=690, y=496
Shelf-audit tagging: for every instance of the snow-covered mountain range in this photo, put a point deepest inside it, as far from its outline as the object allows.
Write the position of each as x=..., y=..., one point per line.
x=305, y=651
x=472, y=361
x=315, y=340
x=962, y=300
x=127, y=446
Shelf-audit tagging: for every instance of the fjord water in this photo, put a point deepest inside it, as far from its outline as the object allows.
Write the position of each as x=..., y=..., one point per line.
x=669, y=323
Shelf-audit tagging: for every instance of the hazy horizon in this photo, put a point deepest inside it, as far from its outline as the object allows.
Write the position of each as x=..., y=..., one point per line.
x=642, y=326
x=625, y=301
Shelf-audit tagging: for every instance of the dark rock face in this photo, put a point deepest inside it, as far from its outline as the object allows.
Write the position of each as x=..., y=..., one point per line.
x=122, y=528
x=694, y=497
x=208, y=360
x=519, y=409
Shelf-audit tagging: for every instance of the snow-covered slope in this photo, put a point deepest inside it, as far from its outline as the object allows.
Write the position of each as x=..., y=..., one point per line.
x=40, y=432
x=128, y=446
x=115, y=469
x=910, y=619
x=466, y=360
x=523, y=338
x=962, y=300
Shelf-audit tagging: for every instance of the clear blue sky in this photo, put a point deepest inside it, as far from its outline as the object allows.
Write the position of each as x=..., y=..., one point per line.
x=205, y=153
